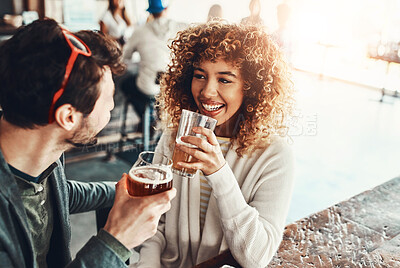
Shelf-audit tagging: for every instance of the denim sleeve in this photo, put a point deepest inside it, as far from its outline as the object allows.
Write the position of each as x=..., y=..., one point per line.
x=97, y=253
x=87, y=196
x=123, y=252
x=5, y=259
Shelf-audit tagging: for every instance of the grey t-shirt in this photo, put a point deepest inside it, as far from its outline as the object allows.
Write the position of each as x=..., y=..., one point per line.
x=38, y=204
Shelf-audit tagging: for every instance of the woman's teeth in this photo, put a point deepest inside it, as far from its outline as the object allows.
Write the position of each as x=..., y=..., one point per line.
x=211, y=108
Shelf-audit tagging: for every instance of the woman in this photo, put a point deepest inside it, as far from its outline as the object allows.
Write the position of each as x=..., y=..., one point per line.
x=240, y=196
x=116, y=22
x=255, y=10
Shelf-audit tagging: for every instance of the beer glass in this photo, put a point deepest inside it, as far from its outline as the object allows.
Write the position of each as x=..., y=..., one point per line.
x=151, y=174
x=188, y=121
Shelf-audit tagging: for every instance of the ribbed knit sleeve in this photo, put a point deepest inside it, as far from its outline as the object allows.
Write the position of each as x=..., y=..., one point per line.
x=253, y=229
x=150, y=250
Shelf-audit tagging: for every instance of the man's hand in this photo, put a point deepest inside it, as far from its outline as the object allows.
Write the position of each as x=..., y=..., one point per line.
x=132, y=220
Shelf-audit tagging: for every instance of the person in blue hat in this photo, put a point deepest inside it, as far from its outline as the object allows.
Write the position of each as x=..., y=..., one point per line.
x=151, y=41
x=157, y=6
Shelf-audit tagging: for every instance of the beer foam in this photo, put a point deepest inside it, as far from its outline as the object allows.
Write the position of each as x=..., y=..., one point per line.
x=151, y=174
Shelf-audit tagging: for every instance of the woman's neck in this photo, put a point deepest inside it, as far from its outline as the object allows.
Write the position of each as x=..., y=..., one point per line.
x=117, y=12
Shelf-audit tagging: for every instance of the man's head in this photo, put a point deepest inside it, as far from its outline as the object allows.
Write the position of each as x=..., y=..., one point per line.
x=32, y=68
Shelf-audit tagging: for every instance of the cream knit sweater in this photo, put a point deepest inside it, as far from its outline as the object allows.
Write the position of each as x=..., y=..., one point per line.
x=246, y=212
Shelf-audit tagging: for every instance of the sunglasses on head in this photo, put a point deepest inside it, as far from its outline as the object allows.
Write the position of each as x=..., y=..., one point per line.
x=77, y=47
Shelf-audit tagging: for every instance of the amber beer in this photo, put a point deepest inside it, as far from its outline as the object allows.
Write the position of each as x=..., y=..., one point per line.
x=180, y=156
x=148, y=180
x=187, y=122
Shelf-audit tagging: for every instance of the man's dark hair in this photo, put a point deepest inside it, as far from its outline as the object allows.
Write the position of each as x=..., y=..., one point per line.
x=32, y=67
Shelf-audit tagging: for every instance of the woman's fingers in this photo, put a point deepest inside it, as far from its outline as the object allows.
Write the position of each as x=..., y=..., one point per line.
x=207, y=151
x=211, y=138
x=193, y=152
x=196, y=153
x=198, y=142
x=194, y=165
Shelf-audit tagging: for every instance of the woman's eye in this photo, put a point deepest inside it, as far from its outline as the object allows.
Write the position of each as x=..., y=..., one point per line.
x=224, y=81
x=198, y=76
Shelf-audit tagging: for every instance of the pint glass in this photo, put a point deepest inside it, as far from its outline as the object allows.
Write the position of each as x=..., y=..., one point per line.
x=151, y=174
x=188, y=121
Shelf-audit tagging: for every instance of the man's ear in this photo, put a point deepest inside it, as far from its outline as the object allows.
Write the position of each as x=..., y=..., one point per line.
x=67, y=116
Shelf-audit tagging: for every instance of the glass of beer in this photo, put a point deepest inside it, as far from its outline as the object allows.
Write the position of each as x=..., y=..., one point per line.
x=151, y=174
x=188, y=121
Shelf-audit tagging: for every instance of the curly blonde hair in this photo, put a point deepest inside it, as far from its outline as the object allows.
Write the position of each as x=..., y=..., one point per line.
x=268, y=90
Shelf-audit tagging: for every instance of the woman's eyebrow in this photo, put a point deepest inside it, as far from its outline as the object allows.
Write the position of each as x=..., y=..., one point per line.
x=223, y=72
x=198, y=69
x=228, y=73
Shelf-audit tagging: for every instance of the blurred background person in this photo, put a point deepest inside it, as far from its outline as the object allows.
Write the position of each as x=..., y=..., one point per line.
x=116, y=22
x=283, y=35
x=151, y=41
x=255, y=10
x=215, y=12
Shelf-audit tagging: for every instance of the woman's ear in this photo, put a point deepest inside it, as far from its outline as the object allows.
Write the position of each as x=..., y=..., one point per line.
x=67, y=116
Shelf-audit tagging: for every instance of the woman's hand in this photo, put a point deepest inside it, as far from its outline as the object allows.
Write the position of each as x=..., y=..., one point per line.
x=208, y=152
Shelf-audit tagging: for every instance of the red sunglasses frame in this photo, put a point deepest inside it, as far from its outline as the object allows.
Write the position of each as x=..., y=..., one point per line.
x=70, y=65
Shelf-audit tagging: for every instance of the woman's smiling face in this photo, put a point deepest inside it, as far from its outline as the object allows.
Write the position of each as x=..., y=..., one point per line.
x=217, y=88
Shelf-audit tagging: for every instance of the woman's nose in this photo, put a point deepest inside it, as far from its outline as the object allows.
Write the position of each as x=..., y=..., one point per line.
x=210, y=89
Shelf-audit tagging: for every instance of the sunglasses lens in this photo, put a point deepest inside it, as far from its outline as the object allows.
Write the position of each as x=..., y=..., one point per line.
x=75, y=42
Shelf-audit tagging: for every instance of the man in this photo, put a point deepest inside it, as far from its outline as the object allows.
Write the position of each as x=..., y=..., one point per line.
x=57, y=92
x=151, y=41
